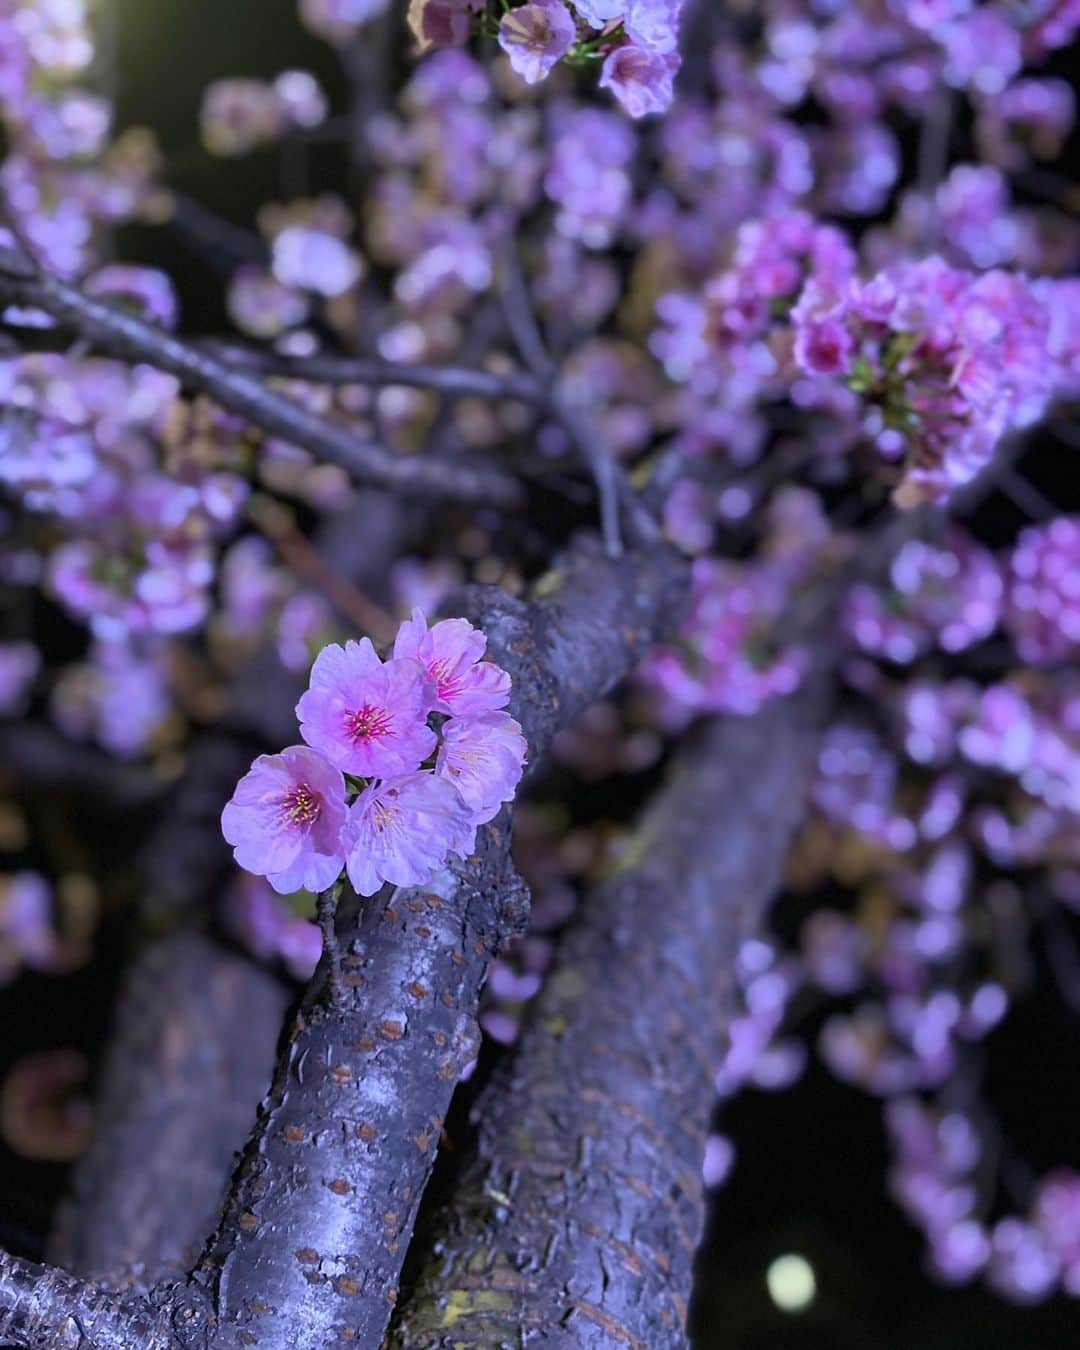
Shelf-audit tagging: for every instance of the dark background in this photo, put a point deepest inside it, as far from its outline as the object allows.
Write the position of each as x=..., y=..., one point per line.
x=811, y=1171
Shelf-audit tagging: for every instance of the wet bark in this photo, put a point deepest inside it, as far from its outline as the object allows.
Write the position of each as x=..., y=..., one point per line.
x=322, y=1208
x=576, y=1223
x=197, y=1023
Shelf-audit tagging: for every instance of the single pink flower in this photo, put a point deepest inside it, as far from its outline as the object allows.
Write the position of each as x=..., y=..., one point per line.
x=367, y=717
x=641, y=79
x=450, y=653
x=285, y=818
x=483, y=757
x=401, y=829
x=536, y=36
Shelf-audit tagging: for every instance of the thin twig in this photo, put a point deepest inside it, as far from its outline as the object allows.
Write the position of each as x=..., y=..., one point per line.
x=1026, y=496
x=613, y=489
x=933, y=159
x=130, y=338
x=326, y=914
x=449, y=381
x=277, y=524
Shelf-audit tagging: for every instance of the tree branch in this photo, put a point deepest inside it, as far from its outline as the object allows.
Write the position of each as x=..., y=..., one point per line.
x=613, y=488
x=575, y=1224
x=194, y=1034
x=130, y=338
x=44, y=1309
x=450, y=381
x=314, y=1235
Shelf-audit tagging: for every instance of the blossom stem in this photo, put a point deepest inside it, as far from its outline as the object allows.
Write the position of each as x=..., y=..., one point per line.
x=326, y=913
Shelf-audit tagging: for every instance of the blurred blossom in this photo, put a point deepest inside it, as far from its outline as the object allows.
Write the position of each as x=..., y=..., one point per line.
x=1022, y=1265
x=313, y=260
x=259, y=304
x=149, y=292
x=856, y=786
x=1042, y=611
x=730, y=658
x=947, y=595
x=338, y=20
x=19, y=665
x=26, y=932
x=718, y=1161
x=270, y=927
x=118, y=698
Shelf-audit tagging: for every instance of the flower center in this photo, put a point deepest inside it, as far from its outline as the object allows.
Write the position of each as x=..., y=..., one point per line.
x=301, y=805
x=367, y=723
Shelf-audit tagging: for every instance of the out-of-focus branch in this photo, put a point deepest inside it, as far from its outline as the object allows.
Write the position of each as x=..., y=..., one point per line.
x=314, y=1235
x=576, y=1222
x=192, y=1056
x=130, y=338
x=450, y=381
x=34, y=754
x=613, y=488
x=276, y=522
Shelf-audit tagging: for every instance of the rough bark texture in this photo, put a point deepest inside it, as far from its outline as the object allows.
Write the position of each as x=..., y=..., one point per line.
x=196, y=1026
x=314, y=1236
x=576, y=1224
x=46, y=1309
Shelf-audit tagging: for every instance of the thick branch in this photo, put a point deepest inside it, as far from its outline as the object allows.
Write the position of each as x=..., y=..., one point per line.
x=44, y=1309
x=130, y=338
x=576, y=1223
x=324, y=1202
x=192, y=1057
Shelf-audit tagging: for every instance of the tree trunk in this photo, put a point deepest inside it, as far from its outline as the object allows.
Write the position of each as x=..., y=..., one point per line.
x=576, y=1223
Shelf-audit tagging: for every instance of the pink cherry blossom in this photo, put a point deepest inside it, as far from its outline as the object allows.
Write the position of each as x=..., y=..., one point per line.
x=640, y=78
x=483, y=757
x=450, y=652
x=368, y=717
x=401, y=829
x=535, y=36
x=284, y=820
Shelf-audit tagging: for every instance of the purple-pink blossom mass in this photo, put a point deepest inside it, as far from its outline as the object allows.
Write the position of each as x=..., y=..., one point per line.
x=404, y=758
x=720, y=361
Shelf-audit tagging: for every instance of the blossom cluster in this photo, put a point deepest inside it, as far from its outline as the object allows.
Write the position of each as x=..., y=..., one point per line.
x=403, y=759
x=60, y=177
x=935, y=1177
x=945, y=362
x=733, y=651
x=636, y=41
x=239, y=115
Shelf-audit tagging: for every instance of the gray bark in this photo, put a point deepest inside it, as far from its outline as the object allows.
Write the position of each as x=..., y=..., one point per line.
x=314, y=1235
x=575, y=1224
